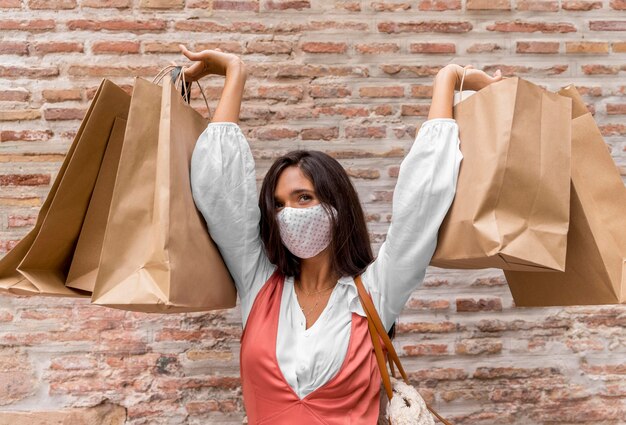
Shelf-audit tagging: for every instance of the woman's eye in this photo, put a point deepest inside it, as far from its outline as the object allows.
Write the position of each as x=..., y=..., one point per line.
x=305, y=197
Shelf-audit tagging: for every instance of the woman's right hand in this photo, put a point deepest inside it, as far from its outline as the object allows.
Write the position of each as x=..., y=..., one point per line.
x=209, y=62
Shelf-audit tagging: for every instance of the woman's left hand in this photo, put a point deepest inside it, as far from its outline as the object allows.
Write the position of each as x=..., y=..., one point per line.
x=475, y=79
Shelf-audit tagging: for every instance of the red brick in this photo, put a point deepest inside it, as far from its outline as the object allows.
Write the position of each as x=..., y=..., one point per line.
x=382, y=196
x=377, y=48
x=365, y=131
x=616, y=108
x=589, y=47
x=475, y=305
x=19, y=114
x=161, y=4
x=269, y=133
x=607, y=25
x=269, y=47
x=152, y=25
x=514, y=372
x=10, y=4
x=537, y=47
x=613, y=130
x=5, y=316
x=28, y=72
x=118, y=47
x=160, y=47
x=291, y=94
x=109, y=4
x=350, y=6
x=319, y=133
x=538, y=5
x=478, y=346
x=511, y=70
x=56, y=114
x=24, y=25
x=426, y=327
x=363, y=173
x=381, y=92
x=432, y=48
x=414, y=70
x=581, y=5
x=618, y=4
x=329, y=91
x=422, y=91
x=13, y=48
x=527, y=26
x=322, y=47
x=488, y=282
x=24, y=179
x=439, y=5
x=206, y=406
x=488, y=5
x=420, y=350
x=113, y=71
x=384, y=110
x=381, y=6
x=226, y=46
x=421, y=304
x=52, y=4
x=42, y=48
x=286, y=4
x=619, y=47
x=19, y=95
x=419, y=110
x=25, y=135
x=21, y=221
x=484, y=48
x=392, y=27
x=61, y=95
x=249, y=5
x=600, y=69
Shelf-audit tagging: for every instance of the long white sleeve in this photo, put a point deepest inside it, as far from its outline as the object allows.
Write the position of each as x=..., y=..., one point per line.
x=423, y=194
x=223, y=185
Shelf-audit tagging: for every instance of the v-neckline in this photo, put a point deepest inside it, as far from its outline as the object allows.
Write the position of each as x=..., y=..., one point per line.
x=300, y=313
x=335, y=376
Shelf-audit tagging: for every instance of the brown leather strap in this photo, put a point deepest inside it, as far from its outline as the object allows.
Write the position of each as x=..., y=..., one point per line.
x=377, y=332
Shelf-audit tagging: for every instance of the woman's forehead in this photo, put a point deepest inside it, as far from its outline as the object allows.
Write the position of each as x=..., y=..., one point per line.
x=292, y=179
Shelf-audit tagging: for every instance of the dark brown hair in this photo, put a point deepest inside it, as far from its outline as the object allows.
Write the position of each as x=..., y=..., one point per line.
x=351, y=251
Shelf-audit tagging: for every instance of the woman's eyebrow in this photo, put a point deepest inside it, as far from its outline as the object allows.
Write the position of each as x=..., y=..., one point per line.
x=295, y=192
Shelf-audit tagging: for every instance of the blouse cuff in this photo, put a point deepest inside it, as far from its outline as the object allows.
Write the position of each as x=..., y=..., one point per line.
x=223, y=123
x=439, y=120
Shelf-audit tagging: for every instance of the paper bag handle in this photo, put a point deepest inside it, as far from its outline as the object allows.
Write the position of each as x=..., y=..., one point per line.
x=181, y=76
x=377, y=332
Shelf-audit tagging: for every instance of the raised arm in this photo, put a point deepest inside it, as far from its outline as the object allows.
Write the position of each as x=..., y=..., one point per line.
x=232, y=67
x=424, y=192
x=223, y=179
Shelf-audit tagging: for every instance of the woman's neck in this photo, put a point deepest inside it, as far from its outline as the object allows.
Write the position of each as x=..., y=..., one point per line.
x=316, y=273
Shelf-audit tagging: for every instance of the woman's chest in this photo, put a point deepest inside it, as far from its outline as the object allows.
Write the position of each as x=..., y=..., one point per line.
x=308, y=358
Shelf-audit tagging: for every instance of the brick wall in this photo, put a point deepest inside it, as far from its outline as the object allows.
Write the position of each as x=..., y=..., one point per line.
x=352, y=78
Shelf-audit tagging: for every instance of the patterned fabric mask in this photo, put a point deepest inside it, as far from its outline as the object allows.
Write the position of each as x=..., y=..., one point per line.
x=305, y=231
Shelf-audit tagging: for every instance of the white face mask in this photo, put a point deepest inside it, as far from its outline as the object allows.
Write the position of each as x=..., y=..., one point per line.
x=305, y=231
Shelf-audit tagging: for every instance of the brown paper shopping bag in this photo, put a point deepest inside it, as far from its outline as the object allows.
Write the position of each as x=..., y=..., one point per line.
x=39, y=263
x=157, y=255
x=511, y=208
x=84, y=266
x=595, y=267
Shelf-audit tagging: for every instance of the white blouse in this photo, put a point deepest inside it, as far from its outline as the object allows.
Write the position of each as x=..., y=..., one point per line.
x=224, y=189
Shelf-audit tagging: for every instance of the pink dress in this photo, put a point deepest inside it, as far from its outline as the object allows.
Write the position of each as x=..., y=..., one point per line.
x=350, y=397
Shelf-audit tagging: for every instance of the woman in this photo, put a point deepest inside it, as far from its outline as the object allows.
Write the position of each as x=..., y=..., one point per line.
x=306, y=355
